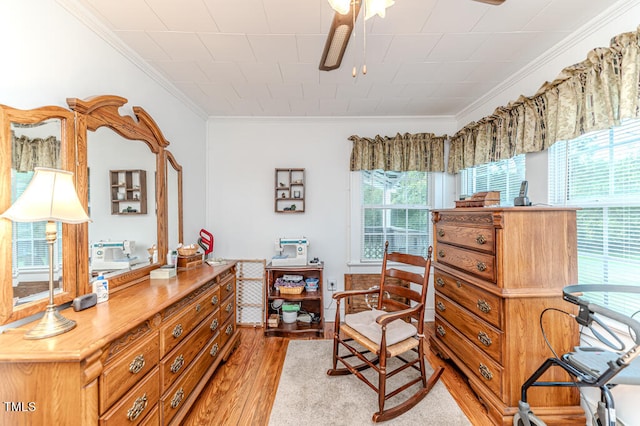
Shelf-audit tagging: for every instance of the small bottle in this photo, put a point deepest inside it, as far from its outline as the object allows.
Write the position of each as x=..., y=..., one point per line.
x=101, y=289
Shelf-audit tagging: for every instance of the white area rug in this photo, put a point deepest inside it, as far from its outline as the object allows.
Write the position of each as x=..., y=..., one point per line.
x=308, y=396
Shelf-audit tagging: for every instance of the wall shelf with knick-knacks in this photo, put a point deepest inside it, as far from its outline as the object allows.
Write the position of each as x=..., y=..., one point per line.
x=289, y=191
x=128, y=191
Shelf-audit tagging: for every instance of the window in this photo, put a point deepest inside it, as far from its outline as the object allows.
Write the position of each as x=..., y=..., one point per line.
x=504, y=176
x=394, y=207
x=600, y=173
x=30, y=251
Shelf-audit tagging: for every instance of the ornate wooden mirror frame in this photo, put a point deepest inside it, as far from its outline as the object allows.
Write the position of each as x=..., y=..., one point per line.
x=103, y=111
x=9, y=311
x=88, y=115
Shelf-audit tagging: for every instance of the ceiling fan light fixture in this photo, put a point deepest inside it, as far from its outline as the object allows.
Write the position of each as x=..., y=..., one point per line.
x=341, y=6
x=377, y=7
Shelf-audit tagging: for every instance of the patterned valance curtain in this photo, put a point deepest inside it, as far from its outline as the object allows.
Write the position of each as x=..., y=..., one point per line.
x=592, y=95
x=408, y=152
x=26, y=153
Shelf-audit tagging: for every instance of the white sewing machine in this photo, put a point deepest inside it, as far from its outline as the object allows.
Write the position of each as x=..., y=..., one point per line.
x=293, y=252
x=109, y=255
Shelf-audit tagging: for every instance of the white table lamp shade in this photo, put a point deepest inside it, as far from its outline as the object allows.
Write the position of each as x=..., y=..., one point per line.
x=50, y=196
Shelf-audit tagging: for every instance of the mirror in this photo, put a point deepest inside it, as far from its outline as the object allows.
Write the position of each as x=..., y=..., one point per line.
x=124, y=221
x=34, y=138
x=126, y=163
x=174, y=202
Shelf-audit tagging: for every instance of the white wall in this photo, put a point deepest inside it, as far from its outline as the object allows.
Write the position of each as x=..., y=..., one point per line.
x=49, y=55
x=241, y=158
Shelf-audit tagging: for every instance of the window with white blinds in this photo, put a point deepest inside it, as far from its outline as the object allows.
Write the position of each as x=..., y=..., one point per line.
x=395, y=207
x=600, y=173
x=504, y=176
x=29, y=248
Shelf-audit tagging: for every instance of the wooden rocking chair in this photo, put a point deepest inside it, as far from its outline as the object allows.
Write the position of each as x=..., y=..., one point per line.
x=391, y=329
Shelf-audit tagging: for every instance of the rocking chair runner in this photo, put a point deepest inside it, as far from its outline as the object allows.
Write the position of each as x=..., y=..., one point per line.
x=394, y=328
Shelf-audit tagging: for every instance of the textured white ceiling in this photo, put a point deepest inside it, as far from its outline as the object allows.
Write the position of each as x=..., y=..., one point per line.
x=260, y=57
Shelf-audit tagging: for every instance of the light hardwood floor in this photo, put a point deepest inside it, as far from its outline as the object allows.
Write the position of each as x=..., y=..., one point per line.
x=243, y=389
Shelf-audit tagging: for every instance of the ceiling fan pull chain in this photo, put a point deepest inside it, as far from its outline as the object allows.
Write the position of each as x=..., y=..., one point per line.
x=364, y=40
x=354, y=72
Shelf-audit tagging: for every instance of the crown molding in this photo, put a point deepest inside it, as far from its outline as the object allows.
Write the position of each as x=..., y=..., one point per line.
x=100, y=28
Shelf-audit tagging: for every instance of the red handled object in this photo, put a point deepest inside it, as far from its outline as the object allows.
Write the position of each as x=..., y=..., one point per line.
x=206, y=241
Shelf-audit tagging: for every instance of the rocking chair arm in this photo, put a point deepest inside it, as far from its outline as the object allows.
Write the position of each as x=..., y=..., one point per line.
x=385, y=319
x=348, y=293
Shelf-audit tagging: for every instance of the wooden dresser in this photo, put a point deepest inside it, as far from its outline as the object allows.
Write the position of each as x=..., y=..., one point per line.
x=495, y=271
x=142, y=357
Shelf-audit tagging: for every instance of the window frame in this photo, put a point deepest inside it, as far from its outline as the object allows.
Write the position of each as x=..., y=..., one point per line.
x=607, y=204
x=354, y=248
x=506, y=197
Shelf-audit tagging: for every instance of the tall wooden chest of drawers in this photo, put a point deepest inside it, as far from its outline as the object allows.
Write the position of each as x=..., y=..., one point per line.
x=495, y=271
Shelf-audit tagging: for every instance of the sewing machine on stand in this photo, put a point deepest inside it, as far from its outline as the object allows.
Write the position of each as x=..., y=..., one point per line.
x=112, y=255
x=292, y=252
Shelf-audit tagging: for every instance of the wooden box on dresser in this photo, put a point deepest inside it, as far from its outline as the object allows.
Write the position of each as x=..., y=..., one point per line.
x=142, y=357
x=495, y=271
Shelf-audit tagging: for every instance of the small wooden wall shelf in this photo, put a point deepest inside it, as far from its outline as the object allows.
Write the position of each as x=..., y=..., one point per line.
x=289, y=191
x=128, y=191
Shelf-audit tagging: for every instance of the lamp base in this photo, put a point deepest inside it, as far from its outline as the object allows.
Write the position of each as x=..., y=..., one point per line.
x=51, y=324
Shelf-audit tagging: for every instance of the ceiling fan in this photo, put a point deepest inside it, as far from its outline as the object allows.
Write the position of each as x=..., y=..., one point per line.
x=342, y=26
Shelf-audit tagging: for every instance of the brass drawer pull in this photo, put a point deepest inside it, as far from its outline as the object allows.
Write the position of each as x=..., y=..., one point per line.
x=198, y=308
x=214, y=350
x=177, y=398
x=214, y=324
x=481, y=266
x=439, y=282
x=229, y=329
x=440, y=330
x=137, y=364
x=440, y=253
x=177, y=331
x=484, y=338
x=483, y=306
x=177, y=364
x=214, y=300
x=138, y=407
x=458, y=283
x=486, y=373
x=440, y=232
x=229, y=307
x=229, y=287
x=441, y=306
x=481, y=239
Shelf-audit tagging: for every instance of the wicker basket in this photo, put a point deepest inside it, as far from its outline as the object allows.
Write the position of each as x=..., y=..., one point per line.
x=187, y=250
x=291, y=290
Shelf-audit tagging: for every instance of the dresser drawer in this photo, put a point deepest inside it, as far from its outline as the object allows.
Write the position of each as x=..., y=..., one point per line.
x=485, y=305
x=227, y=308
x=152, y=419
x=215, y=297
x=227, y=286
x=179, y=359
x=475, y=238
x=132, y=408
x=476, y=263
x=174, y=399
x=179, y=327
x=227, y=331
x=128, y=369
x=482, y=366
x=485, y=336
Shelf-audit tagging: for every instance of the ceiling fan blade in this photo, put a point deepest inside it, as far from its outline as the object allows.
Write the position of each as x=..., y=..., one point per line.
x=337, y=39
x=494, y=2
